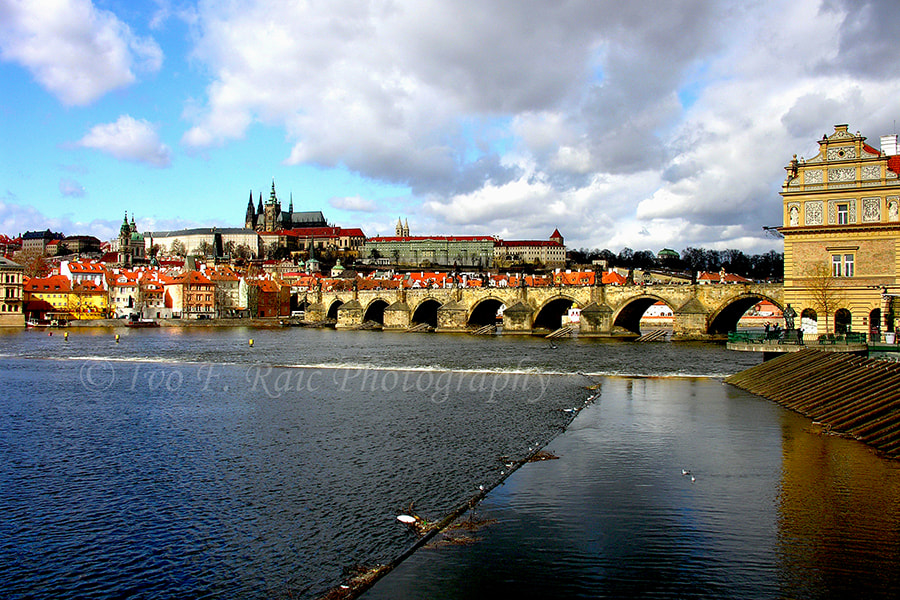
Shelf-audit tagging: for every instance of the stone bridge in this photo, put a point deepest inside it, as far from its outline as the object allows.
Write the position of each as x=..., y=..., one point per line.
x=700, y=311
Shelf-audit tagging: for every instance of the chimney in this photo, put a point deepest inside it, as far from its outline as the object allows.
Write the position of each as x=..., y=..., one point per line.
x=889, y=145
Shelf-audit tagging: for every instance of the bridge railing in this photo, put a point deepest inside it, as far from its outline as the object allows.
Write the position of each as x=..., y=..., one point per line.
x=791, y=338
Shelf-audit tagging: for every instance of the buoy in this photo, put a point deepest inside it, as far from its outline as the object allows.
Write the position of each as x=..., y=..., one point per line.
x=66, y=335
x=251, y=341
x=117, y=338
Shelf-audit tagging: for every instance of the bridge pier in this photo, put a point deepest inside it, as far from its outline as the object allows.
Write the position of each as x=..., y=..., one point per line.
x=518, y=319
x=451, y=317
x=397, y=316
x=315, y=312
x=596, y=320
x=350, y=315
x=691, y=321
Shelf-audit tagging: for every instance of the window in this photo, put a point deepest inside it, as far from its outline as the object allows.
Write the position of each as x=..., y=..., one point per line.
x=843, y=212
x=848, y=265
x=842, y=265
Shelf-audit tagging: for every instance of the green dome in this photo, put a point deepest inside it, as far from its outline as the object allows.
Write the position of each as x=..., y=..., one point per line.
x=136, y=237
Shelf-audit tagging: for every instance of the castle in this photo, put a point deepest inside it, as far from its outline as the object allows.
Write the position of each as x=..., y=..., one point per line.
x=270, y=217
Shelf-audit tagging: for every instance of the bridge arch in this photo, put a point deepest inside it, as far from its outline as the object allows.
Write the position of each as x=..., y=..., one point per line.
x=484, y=312
x=333, y=309
x=426, y=312
x=549, y=315
x=628, y=315
x=375, y=311
x=726, y=317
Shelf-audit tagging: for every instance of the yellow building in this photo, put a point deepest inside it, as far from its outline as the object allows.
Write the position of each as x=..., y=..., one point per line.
x=842, y=235
x=56, y=297
x=11, y=294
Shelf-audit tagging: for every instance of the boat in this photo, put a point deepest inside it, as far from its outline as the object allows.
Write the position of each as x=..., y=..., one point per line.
x=141, y=323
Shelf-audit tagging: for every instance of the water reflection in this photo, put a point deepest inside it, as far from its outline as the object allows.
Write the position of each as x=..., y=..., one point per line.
x=838, y=517
x=614, y=517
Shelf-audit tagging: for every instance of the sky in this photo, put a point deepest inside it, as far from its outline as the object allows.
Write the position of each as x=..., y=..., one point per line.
x=639, y=124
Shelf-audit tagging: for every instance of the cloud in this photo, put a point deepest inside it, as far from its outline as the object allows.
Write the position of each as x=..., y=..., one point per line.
x=73, y=49
x=609, y=120
x=129, y=139
x=353, y=203
x=16, y=218
x=70, y=187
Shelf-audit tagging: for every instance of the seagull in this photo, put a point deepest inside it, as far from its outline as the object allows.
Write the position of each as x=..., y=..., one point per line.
x=693, y=479
x=553, y=346
x=685, y=472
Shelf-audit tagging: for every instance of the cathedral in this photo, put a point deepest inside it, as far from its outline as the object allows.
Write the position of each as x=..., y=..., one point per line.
x=270, y=217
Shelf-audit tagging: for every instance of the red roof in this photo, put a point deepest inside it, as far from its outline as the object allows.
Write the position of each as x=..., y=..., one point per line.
x=438, y=238
x=54, y=283
x=613, y=278
x=532, y=243
x=893, y=163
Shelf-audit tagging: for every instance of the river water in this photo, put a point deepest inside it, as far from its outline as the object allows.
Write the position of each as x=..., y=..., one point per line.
x=190, y=463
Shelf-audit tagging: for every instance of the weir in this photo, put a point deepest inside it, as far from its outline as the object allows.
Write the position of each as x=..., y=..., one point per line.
x=846, y=394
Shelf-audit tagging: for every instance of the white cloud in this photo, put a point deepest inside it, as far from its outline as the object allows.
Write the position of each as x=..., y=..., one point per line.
x=353, y=203
x=74, y=50
x=70, y=187
x=609, y=120
x=129, y=139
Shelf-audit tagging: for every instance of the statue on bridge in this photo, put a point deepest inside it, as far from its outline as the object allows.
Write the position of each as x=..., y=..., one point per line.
x=789, y=315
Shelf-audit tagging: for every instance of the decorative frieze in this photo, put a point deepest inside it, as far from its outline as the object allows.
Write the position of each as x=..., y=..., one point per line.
x=841, y=153
x=815, y=213
x=813, y=176
x=841, y=174
x=870, y=172
x=871, y=210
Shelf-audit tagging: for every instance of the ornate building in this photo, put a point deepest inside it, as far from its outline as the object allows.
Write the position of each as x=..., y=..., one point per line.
x=842, y=234
x=270, y=217
x=131, y=244
x=11, y=293
x=549, y=253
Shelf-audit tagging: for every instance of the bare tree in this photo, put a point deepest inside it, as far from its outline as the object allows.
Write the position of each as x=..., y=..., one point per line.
x=824, y=291
x=33, y=262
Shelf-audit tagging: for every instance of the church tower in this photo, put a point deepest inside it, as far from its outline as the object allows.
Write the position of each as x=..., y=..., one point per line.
x=402, y=230
x=272, y=209
x=250, y=220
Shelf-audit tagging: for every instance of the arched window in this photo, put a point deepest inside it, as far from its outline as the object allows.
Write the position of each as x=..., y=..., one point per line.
x=875, y=320
x=809, y=321
x=842, y=320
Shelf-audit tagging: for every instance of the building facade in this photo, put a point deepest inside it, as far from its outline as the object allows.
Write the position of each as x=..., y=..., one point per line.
x=469, y=251
x=37, y=241
x=11, y=293
x=841, y=215
x=549, y=253
x=203, y=241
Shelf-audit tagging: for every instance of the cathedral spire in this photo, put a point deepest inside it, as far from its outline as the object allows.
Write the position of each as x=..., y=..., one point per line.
x=291, y=205
x=250, y=219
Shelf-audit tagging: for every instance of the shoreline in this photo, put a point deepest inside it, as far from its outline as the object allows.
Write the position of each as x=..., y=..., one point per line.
x=220, y=322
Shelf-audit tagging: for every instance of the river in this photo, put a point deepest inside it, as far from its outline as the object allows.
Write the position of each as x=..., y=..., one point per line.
x=190, y=463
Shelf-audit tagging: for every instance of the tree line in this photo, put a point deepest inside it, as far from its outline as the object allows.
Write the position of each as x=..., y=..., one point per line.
x=760, y=267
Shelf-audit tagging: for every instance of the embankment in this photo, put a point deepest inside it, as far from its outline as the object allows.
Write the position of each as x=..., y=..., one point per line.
x=850, y=395
x=255, y=322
